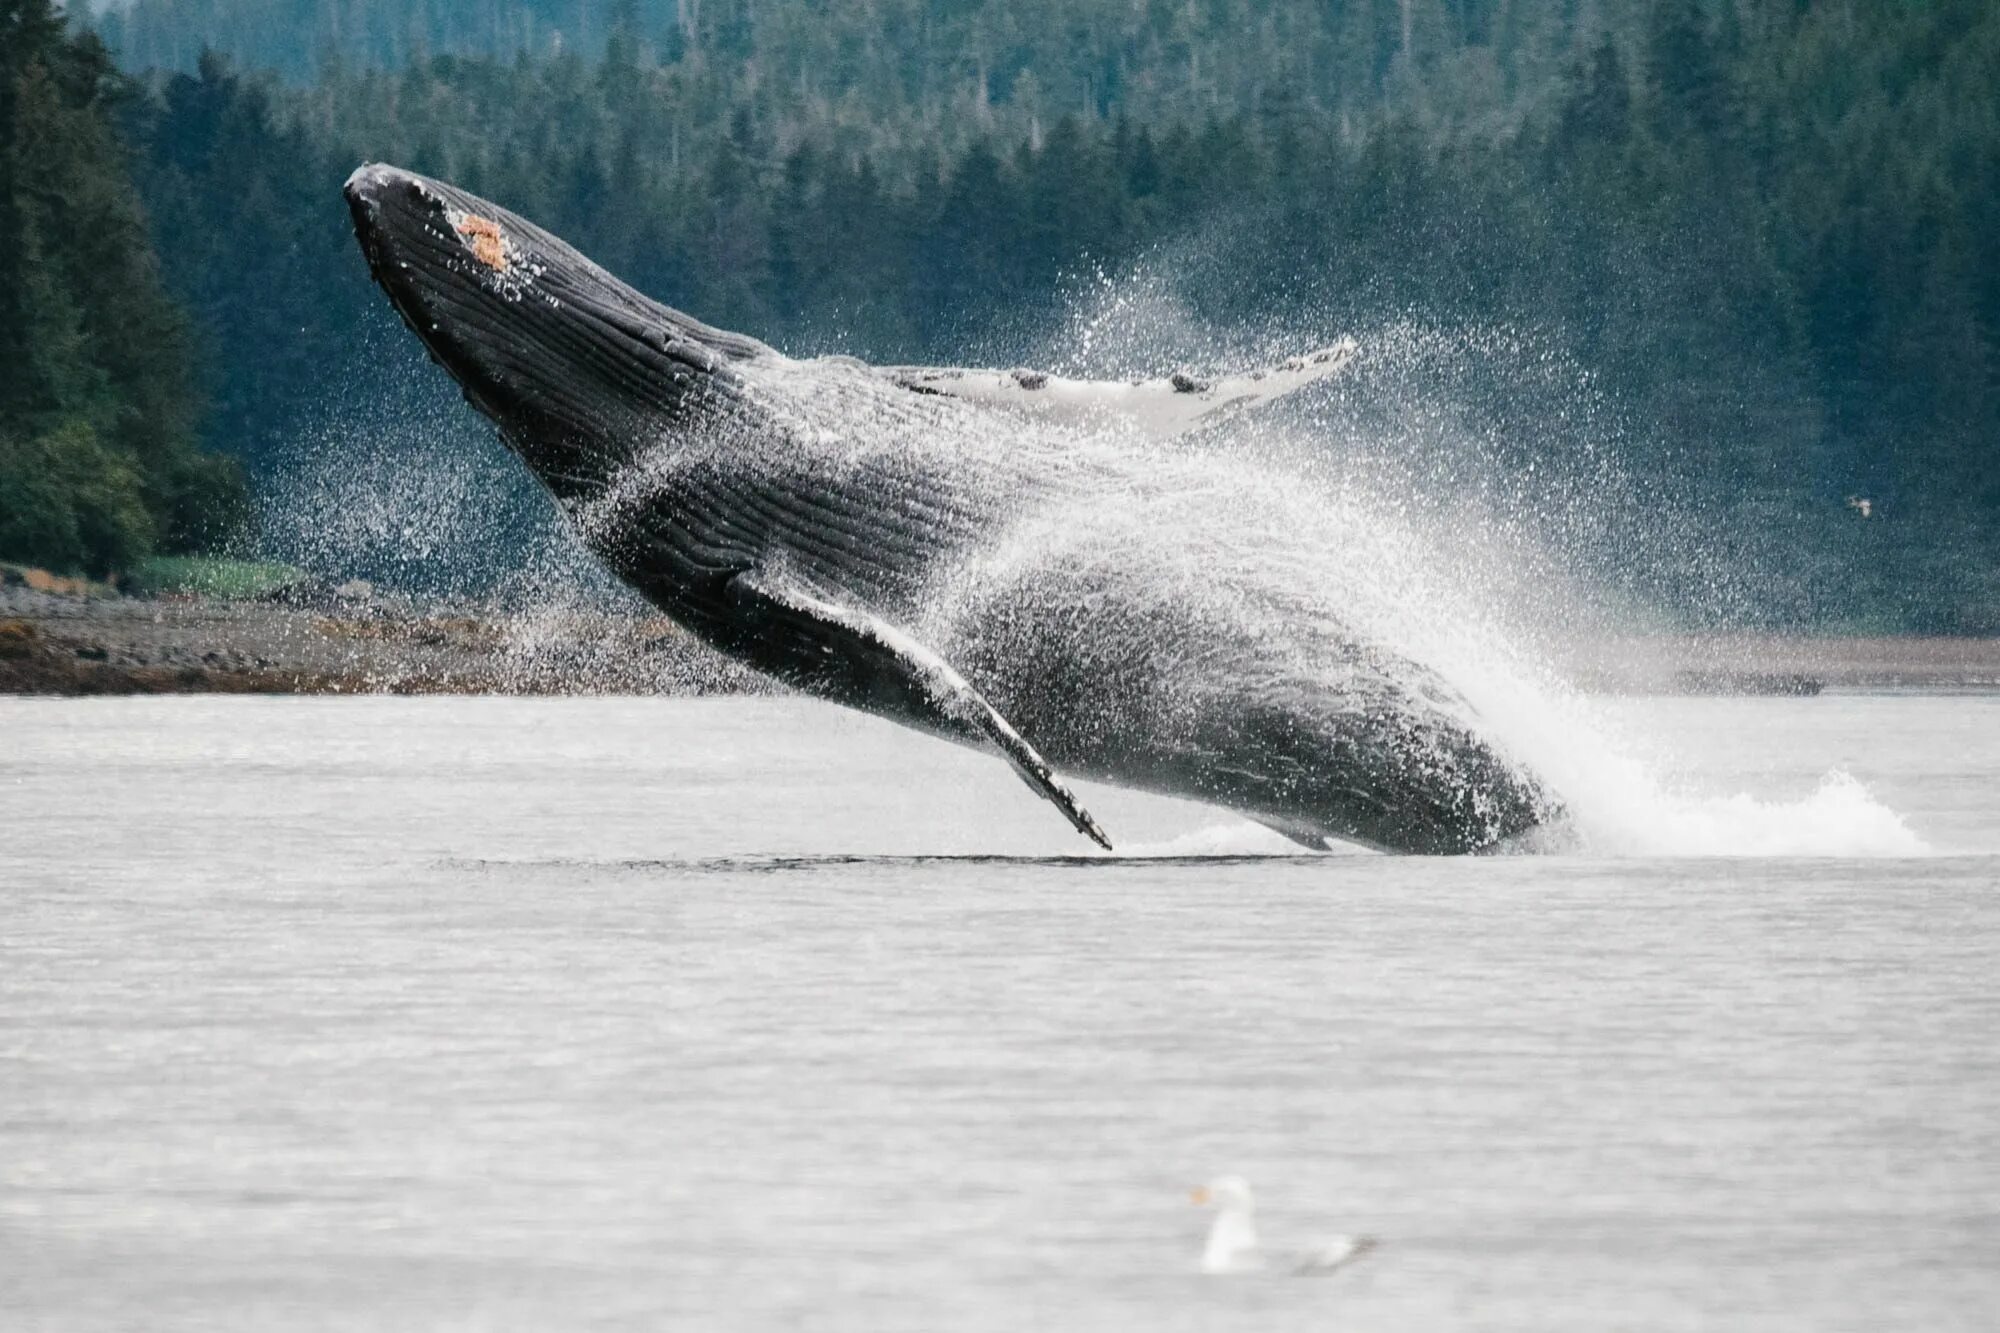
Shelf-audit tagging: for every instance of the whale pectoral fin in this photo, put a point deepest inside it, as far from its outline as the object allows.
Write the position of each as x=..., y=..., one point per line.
x=870, y=648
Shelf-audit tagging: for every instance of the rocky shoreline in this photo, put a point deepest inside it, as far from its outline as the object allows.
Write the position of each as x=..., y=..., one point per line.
x=89, y=643
x=69, y=638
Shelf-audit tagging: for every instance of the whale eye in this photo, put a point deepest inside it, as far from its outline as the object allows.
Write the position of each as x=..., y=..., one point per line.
x=489, y=244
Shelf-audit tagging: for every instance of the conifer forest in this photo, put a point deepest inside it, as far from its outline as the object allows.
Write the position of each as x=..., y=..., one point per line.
x=1744, y=255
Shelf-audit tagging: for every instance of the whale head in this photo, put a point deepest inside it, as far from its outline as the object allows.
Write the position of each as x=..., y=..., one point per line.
x=580, y=371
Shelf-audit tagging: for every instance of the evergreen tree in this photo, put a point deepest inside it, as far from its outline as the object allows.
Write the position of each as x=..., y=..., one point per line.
x=98, y=461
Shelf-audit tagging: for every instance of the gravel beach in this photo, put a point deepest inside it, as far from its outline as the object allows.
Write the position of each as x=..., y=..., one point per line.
x=53, y=643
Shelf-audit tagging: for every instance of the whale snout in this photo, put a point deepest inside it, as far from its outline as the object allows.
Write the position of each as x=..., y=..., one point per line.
x=449, y=262
x=406, y=226
x=373, y=184
x=577, y=368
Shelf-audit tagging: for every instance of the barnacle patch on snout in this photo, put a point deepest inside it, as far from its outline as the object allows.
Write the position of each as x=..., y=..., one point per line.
x=487, y=242
x=510, y=269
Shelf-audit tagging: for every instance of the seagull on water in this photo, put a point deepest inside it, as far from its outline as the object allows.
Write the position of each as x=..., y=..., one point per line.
x=1232, y=1239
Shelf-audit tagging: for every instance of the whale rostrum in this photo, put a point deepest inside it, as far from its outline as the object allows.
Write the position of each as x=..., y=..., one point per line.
x=1001, y=558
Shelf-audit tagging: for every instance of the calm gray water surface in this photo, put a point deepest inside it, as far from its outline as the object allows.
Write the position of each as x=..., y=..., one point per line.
x=542, y=1014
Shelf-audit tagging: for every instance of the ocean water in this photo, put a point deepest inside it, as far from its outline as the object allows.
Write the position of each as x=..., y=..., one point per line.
x=544, y=1014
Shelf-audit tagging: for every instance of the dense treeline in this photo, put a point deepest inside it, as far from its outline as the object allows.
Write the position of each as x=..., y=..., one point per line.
x=1763, y=228
x=98, y=457
x=935, y=67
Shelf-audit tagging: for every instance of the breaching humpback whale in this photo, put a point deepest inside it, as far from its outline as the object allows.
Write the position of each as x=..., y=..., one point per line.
x=980, y=555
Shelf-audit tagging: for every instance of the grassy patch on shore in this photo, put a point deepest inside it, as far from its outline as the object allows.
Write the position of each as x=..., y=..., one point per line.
x=208, y=576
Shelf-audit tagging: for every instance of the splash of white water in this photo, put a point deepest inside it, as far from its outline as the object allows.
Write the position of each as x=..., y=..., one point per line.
x=1407, y=540
x=1622, y=799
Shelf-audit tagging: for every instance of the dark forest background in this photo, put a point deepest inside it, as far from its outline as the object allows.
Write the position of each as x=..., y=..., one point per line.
x=1761, y=236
